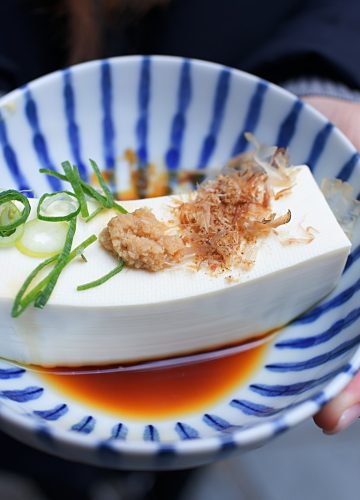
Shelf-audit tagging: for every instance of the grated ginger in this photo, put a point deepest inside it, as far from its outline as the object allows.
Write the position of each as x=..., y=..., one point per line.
x=141, y=241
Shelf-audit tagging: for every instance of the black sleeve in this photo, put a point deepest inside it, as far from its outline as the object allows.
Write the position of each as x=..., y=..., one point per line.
x=277, y=39
x=322, y=39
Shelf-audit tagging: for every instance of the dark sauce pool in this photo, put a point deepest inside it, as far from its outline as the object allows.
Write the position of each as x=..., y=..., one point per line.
x=161, y=392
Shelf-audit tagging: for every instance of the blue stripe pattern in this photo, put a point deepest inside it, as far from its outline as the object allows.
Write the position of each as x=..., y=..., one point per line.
x=119, y=431
x=143, y=106
x=165, y=453
x=277, y=390
x=23, y=395
x=297, y=366
x=288, y=126
x=336, y=301
x=252, y=117
x=347, y=170
x=108, y=130
x=39, y=141
x=151, y=433
x=85, y=426
x=73, y=130
x=173, y=155
x=319, y=144
x=353, y=257
x=280, y=426
x=221, y=95
x=11, y=160
x=227, y=444
x=9, y=373
x=254, y=409
x=54, y=413
x=185, y=431
x=216, y=422
x=329, y=333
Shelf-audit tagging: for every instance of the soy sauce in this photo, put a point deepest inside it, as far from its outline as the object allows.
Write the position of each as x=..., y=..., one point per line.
x=162, y=392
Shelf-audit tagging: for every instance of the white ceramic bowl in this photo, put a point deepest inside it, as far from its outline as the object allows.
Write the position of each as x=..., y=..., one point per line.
x=177, y=114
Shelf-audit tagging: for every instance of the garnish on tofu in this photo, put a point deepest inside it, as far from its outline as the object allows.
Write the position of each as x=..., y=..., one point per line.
x=227, y=216
x=219, y=225
x=141, y=240
x=52, y=232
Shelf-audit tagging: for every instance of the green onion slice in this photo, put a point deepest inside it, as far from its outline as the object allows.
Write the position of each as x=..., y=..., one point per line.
x=119, y=208
x=9, y=241
x=47, y=171
x=23, y=299
x=94, y=214
x=12, y=219
x=103, y=279
x=8, y=213
x=109, y=199
x=57, y=207
x=43, y=297
x=73, y=176
x=87, y=188
x=42, y=239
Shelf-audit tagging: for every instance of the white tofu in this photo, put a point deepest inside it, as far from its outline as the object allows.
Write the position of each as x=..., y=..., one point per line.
x=139, y=315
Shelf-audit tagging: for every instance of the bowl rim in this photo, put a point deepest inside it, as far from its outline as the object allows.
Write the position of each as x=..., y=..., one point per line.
x=240, y=438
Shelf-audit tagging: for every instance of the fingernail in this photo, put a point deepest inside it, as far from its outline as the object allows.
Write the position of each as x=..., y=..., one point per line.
x=347, y=418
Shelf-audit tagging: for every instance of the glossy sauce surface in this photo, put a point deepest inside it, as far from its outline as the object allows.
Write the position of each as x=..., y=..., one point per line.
x=161, y=392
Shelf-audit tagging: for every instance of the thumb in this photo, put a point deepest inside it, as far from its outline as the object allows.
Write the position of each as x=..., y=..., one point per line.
x=342, y=411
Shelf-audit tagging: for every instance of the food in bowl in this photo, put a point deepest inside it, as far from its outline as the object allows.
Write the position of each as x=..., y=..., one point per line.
x=274, y=273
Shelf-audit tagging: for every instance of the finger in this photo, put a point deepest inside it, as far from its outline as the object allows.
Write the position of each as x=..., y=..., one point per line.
x=344, y=114
x=342, y=411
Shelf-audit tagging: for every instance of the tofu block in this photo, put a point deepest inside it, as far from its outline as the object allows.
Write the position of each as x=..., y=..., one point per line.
x=139, y=315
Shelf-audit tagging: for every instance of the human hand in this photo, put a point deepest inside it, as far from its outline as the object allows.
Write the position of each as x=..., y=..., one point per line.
x=342, y=411
x=344, y=114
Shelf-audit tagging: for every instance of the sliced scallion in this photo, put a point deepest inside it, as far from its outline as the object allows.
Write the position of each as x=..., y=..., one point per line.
x=10, y=241
x=22, y=301
x=119, y=208
x=94, y=214
x=53, y=277
x=8, y=227
x=108, y=195
x=93, y=193
x=103, y=279
x=47, y=171
x=8, y=213
x=73, y=177
x=57, y=207
x=41, y=239
x=87, y=189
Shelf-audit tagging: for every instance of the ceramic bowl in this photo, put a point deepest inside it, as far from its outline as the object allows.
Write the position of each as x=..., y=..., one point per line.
x=175, y=114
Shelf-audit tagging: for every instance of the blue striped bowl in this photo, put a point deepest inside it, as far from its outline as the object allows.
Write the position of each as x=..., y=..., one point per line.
x=177, y=114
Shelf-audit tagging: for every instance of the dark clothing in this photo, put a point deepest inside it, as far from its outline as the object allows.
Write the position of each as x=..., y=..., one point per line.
x=276, y=40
